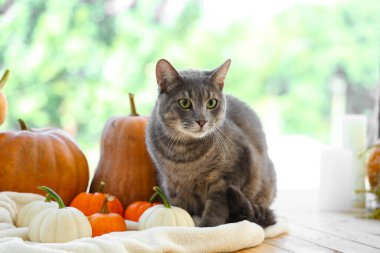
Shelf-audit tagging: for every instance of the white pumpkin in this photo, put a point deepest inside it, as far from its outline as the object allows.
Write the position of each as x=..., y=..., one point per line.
x=61, y=224
x=164, y=215
x=27, y=212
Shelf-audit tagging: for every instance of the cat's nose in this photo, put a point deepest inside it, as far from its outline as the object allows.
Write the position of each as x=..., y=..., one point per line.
x=201, y=122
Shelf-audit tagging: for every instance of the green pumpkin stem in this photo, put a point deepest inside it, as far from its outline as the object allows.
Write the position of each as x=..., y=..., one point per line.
x=23, y=125
x=163, y=196
x=133, y=106
x=104, y=208
x=101, y=187
x=153, y=197
x=4, y=78
x=48, y=198
x=54, y=195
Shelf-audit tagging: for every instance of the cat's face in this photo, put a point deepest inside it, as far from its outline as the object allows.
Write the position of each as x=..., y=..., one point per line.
x=191, y=102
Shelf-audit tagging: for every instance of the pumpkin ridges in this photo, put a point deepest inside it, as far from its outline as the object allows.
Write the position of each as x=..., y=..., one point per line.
x=115, y=205
x=51, y=144
x=95, y=199
x=82, y=176
x=99, y=220
x=77, y=201
x=12, y=160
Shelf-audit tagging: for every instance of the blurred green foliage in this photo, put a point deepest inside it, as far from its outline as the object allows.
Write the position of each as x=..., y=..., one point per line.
x=73, y=62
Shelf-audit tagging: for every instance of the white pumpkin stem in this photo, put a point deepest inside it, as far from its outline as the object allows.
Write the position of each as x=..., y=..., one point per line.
x=153, y=197
x=54, y=195
x=48, y=198
x=163, y=196
x=4, y=78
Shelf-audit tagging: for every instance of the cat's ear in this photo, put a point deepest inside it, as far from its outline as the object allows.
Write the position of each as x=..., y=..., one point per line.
x=219, y=75
x=166, y=75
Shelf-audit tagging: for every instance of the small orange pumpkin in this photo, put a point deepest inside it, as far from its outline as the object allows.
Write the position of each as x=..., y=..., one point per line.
x=105, y=222
x=45, y=156
x=124, y=159
x=3, y=100
x=90, y=203
x=137, y=208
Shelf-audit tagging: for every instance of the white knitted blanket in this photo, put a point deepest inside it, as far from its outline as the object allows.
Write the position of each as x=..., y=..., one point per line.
x=224, y=238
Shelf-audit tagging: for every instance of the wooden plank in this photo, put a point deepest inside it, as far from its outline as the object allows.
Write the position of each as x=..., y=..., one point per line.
x=304, y=207
x=350, y=221
x=263, y=248
x=346, y=227
x=294, y=244
x=351, y=233
x=329, y=241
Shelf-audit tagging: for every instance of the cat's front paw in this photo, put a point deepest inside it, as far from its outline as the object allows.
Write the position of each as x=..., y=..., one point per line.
x=211, y=222
x=197, y=220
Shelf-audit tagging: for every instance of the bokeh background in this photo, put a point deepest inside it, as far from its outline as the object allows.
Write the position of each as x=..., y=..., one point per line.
x=299, y=63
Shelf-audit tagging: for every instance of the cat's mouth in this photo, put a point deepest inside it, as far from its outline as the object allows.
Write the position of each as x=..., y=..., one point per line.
x=196, y=132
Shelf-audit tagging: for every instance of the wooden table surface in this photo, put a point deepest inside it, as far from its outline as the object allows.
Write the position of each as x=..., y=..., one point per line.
x=312, y=230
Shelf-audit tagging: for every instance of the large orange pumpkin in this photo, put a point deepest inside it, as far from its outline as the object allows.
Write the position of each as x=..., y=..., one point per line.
x=124, y=160
x=3, y=100
x=46, y=156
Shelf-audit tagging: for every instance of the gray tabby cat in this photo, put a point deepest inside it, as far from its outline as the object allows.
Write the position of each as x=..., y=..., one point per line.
x=209, y=149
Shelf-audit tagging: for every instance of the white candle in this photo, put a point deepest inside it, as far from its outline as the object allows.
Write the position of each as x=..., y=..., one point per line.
x=354, y=137
x=335, y=190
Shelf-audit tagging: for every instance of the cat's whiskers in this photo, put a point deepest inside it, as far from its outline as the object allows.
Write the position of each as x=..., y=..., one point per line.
x=228, y=138
x=223, y=142
x=217, y=143
x=163, y=135
x=229, y=126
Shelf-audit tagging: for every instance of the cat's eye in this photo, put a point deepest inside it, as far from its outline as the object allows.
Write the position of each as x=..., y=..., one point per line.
x=184, y=103
x=211, y=104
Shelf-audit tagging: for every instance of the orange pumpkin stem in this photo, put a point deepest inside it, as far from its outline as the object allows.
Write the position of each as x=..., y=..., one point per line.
x=23, y=125
x=104, y=208
x=101, y=187
x=133, y=106
x=4, y=79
